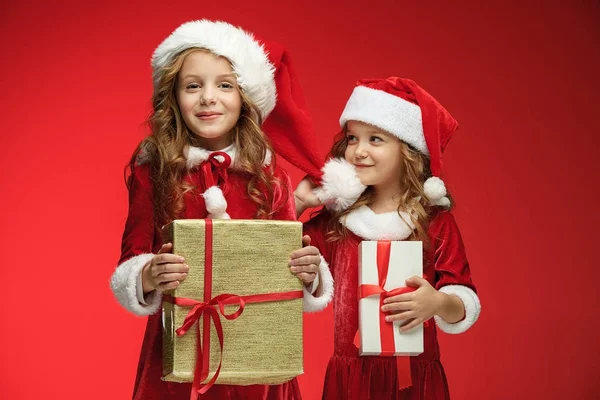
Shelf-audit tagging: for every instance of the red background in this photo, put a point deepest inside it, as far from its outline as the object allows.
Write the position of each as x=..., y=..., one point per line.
x=521, y=78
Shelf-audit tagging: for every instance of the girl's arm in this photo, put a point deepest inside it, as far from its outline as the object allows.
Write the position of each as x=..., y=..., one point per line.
x=136, y=248
x=318, y=294
x=315, y=228
x=459, y=304
x=450, y=308
x=304, y=197
x=453, y=301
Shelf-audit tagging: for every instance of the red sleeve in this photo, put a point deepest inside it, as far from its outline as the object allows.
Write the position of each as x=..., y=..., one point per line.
x=136, y=248
x=316, y=228
x=283, y=197
x=449, y=257
x=138, y=237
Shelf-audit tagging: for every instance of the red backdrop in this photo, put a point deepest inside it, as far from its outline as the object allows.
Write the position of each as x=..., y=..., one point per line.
x=520, y=79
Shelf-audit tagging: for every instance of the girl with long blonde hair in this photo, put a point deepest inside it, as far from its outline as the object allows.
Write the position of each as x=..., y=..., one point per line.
x=383, y=183
x=211, y=154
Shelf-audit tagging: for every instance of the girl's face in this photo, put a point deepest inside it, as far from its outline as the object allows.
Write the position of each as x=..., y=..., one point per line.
x=376, y=154
x=208, y=98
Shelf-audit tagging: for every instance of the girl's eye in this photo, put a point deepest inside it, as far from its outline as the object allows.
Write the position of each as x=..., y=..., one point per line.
x=193, y=86
x=351, y=138
x=376, y=139
x=226, y=85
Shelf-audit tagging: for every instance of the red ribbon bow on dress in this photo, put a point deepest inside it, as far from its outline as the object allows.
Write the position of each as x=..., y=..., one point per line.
x=214, y=171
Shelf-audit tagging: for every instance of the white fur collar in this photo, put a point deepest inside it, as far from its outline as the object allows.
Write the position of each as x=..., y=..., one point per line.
x=196, y=155
x=387, y=226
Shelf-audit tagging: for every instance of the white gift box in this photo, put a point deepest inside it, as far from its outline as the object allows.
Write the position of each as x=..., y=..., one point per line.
x=379, y=337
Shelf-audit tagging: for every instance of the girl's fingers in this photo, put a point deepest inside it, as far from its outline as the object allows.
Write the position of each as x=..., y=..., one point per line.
x=404, y=316
x=306, y=277
x=310, y=268
x=305, y=251
x=398, y=306
x=170, y=268
x=306, y=260
x=167, y=286
x=170, y=277
x=167, y=258
x=166, y=248
x=399, y=298
x=416, y=281
x=305, y=240
x=412, y=324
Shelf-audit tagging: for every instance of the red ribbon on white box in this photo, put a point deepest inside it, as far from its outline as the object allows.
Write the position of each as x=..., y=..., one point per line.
x=376, y=282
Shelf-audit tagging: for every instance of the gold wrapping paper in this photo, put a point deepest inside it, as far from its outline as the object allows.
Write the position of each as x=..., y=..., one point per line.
x=264, y=344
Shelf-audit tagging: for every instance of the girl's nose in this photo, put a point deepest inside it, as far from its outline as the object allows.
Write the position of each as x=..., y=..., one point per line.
x=208, y=96
x=361, y=151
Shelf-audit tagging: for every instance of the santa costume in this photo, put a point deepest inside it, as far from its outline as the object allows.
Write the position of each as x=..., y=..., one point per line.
x=403, y=109
x=264, y=72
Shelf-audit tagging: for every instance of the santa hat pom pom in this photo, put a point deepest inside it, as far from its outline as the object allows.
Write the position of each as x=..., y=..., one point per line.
x=435, y=190
x=340, y=185
x=443, y=202
x=215, y=202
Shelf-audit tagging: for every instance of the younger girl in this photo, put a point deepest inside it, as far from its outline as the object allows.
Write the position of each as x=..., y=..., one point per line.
x=207, y=156
x=383, y=184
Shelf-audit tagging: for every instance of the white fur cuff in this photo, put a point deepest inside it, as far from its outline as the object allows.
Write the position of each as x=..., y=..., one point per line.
x=341, y=187
x=123, y=283
x=472, y=309
x=312, y=303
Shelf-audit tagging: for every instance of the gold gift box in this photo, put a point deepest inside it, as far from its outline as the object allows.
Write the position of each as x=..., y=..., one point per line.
x=264, y=344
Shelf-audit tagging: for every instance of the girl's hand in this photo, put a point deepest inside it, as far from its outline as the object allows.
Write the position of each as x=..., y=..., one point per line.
x=305, y=262
x=418, y=306
x=165, y=271
x=304, y=196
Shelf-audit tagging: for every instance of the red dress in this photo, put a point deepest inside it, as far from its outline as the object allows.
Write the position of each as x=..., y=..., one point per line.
x=140, y=239
x=350, y=376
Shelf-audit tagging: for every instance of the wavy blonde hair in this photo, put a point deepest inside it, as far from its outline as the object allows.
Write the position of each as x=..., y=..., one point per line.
x=169, y=137
x=414, y=170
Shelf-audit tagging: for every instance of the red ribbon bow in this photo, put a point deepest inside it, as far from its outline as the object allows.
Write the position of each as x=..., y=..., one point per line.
x=214, y=172
x=193, y=316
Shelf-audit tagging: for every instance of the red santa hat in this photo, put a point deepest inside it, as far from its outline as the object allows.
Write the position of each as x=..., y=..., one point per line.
x=265, y=74
x=404, y=109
